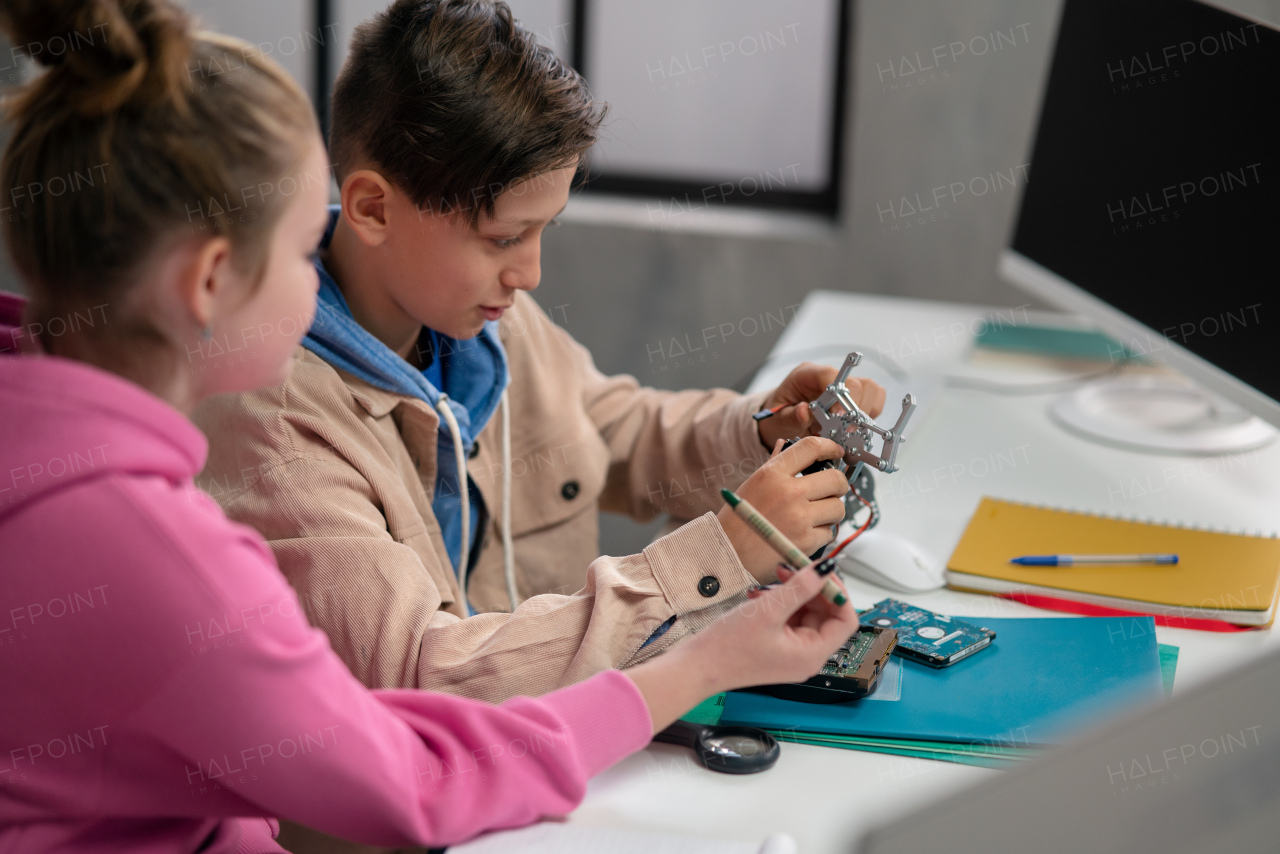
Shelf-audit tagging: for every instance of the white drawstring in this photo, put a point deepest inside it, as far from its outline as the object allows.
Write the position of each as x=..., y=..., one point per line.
x=508, y=551
x=443, y=405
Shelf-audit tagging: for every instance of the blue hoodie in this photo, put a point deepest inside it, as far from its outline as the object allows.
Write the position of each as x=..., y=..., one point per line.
x=472, y=372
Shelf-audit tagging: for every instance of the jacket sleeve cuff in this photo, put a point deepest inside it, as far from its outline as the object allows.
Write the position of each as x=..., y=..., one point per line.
x=744, y=431
x=608, y=717
x=696, y=566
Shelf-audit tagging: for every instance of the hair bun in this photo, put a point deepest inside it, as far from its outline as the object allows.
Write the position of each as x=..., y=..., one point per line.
x=102, y=54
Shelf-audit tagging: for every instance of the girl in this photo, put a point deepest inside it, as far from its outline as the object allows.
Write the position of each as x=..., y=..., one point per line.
x=162, y=690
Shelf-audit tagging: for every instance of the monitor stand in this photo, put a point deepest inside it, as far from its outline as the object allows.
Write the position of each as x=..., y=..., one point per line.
x=1159, y=415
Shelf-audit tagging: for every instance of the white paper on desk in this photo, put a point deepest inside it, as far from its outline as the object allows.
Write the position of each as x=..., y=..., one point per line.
x=550, y=838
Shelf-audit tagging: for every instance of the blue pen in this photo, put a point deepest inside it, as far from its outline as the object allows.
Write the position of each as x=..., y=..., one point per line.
x=1076, y=560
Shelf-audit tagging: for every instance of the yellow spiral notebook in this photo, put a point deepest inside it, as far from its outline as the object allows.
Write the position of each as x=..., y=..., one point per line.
x=1221, y=580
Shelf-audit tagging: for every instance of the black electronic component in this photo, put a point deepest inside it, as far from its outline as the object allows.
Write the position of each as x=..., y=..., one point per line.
x=932, y=639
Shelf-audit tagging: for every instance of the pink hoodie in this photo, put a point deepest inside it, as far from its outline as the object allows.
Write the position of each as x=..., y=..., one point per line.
x=159, y=680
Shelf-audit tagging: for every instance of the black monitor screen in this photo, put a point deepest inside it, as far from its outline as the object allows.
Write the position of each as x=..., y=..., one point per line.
x=1155, y=178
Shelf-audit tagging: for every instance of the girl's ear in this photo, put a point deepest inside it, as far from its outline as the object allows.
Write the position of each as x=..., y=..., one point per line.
x=208, y=284
x=366, y=197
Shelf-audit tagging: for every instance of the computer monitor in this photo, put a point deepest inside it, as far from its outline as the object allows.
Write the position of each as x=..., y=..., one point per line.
x=1152, y=204
x=1198, y=773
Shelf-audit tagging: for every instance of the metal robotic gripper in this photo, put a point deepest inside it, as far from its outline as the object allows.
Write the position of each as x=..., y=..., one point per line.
x=842, y=420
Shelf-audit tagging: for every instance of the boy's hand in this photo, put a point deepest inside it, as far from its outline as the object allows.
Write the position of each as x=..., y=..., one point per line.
x=804, y=384
x=802, y=508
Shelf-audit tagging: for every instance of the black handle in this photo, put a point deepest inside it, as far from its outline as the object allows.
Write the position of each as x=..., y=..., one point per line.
x=682, y=733
x=762, y=754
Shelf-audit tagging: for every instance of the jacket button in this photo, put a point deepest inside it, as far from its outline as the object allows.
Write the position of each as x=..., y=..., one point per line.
x=709, y=586
x=570, y=490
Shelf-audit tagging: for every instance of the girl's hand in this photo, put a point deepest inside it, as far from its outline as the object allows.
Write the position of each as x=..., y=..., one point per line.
x=784, y=634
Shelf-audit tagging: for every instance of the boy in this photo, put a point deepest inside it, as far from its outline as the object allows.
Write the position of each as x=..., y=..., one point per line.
x=455, y=140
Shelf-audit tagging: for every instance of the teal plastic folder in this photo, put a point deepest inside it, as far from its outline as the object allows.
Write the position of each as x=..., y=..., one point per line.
x=1041, y=680
x=1055, y=341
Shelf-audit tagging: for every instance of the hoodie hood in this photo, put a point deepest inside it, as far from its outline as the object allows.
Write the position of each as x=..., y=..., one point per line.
x=471, y=375
x=65, y=422
x=473, y=372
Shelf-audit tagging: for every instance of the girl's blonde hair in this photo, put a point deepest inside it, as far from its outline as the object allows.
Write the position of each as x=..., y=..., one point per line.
x=140, y=131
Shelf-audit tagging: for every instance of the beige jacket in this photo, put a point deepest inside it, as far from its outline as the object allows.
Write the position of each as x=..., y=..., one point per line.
x=337, y=476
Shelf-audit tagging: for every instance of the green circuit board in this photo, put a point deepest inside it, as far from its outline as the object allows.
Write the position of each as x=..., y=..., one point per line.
x=852, y=672
x=846, y=661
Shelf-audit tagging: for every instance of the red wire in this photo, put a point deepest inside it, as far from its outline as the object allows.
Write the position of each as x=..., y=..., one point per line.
x=857, y=533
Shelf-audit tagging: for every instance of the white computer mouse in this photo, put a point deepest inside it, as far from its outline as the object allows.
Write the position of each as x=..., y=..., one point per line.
x=891, y=561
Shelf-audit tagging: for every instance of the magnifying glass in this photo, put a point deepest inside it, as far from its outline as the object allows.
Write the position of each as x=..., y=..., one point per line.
x=727, y=749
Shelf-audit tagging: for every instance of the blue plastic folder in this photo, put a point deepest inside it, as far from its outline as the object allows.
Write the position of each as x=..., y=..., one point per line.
x=1041, y=679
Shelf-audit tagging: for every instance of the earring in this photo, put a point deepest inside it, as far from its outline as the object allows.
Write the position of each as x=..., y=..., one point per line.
x=206, y=333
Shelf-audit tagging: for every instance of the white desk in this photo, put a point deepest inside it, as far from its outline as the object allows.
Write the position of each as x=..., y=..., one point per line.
x=965, y=444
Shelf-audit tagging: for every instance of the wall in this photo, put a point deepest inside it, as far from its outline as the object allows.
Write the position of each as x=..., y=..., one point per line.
x=625, y=291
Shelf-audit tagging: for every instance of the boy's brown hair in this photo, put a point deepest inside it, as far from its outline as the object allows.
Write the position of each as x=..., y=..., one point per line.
x=453, y=101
